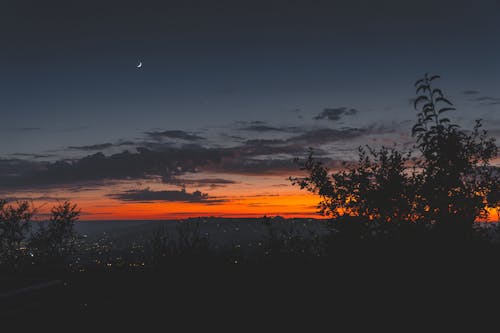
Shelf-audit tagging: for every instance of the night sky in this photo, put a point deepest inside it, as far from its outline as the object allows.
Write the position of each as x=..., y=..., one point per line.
x=228, y=94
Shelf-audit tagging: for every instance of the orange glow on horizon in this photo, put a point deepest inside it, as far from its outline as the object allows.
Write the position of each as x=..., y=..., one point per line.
x=249, y=196
x=298, y=205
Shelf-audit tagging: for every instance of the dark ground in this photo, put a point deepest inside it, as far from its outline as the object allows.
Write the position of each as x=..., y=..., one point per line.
x=372, y=288
x=360, y=284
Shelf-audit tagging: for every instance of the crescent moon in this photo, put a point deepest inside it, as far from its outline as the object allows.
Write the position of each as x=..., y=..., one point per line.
x=140, y=64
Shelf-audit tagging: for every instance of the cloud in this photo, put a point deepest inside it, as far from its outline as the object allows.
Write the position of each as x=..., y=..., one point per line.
x=35, y=156
x=261, y=126
x=126, y=165
x=36, y=198
x=148, y=195
x=324, y=135
x=257, y=166
x=487, y=100
x=470, y=92
x=203, y=182
x=102, y=146
x=99, y=146
x=335, y=114
x=174, y=134
x=266, y=128
x=169, y=162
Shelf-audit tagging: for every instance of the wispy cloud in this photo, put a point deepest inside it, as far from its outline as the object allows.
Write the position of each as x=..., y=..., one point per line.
x=487, y=100
x=202, y=182
x=174, y=134
x=35, y=156
x=335, y=114
x=471, y=92
x=102, y=146
x=261, y=126
x=99, y=146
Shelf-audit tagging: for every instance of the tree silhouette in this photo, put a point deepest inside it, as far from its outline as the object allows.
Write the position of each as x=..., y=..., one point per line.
x=448, y=182
x=14, y=227
x=456, y=179
x=56, y=239
x=51, y=243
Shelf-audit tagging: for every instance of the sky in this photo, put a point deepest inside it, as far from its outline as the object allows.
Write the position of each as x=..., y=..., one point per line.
x=230, y=92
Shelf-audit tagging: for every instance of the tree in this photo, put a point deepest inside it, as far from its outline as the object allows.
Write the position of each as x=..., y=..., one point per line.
x=14, y=227
x=376, y=188
x=456, y=177
x=56, y=239
x=448, y=182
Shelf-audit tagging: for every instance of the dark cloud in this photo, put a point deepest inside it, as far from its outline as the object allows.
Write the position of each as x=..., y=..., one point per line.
x=39, y=198
x=99, y=146
x=470, y=92
x=257, y=167
x=102, y=146
x=126, y=165
x=148, y=195
x=174, y=134
x=487, y=100
x=14, y=168
x=35, y=156
x=335, y=114
x=324, y=135
x=261, y=128
x=211, y=182
x=233, y=137
x=168, y=162
x=267, y=128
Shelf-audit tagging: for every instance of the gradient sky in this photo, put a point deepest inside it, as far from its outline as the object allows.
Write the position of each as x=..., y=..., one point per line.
x=229, y=93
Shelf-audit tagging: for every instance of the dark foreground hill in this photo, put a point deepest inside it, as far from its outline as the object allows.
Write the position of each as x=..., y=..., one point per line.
x=300, y=274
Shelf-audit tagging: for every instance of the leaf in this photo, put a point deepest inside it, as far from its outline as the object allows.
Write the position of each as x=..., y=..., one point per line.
x=418, y=82
x=434, y=77
x=420, y=99
x=429, y=106
x=416, y=127
x=442, y=99
x=417, y=130
x=444, y=120
x=437, y=91
x=445, y=110
x=428, y=110
x=422, y=87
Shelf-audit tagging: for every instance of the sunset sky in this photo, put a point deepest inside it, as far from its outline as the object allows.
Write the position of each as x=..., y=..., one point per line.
x=230, y=92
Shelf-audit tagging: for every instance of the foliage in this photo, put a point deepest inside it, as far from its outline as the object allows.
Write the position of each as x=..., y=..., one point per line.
x=52, y=242
x=56, y=239
x=14, y=227
x=448, y=182
x=376, y=188
x=188, y=245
